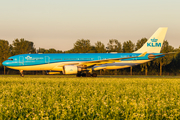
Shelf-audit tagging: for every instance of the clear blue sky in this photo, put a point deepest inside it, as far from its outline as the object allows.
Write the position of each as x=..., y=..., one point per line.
x=60, y=23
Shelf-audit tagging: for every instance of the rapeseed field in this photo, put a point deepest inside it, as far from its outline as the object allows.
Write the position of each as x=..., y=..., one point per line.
x=89, y=98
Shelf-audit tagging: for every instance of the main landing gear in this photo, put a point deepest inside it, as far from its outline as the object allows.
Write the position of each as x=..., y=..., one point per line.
x=86, y=75
x=21, y=73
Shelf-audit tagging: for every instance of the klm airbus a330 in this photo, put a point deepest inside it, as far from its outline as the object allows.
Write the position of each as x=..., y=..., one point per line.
x=83, y=64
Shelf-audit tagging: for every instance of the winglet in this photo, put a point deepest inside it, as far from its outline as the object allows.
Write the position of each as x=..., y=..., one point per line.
x=143, y=54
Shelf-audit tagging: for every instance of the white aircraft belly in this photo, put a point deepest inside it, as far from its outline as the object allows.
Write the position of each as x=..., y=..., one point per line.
x=50, y=66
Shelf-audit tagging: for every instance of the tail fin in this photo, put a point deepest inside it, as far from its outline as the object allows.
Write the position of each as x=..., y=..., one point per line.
x=155, y=42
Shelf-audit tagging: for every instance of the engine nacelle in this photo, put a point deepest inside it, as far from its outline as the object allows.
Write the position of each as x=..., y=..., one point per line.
x=151, y=56
x=70, y=69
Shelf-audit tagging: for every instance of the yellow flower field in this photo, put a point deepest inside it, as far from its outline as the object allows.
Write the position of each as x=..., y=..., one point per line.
x=89, y=98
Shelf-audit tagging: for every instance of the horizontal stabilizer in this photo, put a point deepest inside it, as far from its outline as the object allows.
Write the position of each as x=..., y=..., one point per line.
x=151, y=56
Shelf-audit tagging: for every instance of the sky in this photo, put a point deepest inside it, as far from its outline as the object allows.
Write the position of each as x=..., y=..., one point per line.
x=60, y=23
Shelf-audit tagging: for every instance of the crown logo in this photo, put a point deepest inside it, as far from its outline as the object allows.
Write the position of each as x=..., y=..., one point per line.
x=28, y=57
x=154, y=40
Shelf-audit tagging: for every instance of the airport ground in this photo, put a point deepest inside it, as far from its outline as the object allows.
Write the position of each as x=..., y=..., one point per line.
x=99, y=76
x=103, y=97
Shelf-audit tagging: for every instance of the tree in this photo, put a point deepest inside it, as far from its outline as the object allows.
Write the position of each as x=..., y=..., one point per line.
x=99, y=47
x=176, y=64
x=70, y=51
x=166, y=59
x=82, y=46
x=139, y=44
x=41, y=50
x=114, y=46
x=23, y=47
x=59, y=51
x=92, y=49
x=128, y=47
x=144, y=67
x=51, y=50
x=5, y=51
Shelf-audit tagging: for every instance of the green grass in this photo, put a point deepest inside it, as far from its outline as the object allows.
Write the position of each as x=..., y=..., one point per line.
x=55, y=97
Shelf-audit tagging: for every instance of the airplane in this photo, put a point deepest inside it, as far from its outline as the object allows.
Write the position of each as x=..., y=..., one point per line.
x=84, y=64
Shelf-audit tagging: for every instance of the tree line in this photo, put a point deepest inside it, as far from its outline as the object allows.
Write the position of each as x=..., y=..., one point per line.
x=168, y=65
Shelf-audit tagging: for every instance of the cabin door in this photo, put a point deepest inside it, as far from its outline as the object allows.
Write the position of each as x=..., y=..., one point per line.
x=21, y=60
x=46, y=59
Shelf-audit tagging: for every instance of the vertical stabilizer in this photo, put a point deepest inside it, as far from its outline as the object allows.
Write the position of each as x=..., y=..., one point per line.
x=155, y=42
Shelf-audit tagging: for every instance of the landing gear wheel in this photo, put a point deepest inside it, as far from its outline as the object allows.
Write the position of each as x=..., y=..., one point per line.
x=94, y=75
x=88, y=75
x=78, y=75
x=83, y=74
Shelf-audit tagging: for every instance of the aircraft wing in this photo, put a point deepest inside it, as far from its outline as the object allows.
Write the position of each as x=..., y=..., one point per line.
x=99, y=62
x=105, y=61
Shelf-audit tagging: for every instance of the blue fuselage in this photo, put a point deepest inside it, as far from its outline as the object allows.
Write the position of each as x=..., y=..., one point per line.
x=27, y=60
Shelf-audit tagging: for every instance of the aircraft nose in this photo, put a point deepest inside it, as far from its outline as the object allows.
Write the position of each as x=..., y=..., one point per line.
x=5, y=63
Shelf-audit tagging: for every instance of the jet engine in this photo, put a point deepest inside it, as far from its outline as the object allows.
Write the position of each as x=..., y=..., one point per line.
x=151, y=56
x=71, y=69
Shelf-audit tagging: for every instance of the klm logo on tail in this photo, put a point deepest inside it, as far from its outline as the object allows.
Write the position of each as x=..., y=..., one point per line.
x=154, y=40
x=153, y=43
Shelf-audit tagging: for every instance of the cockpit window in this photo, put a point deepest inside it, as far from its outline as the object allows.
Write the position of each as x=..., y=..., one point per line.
x=10, y=59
